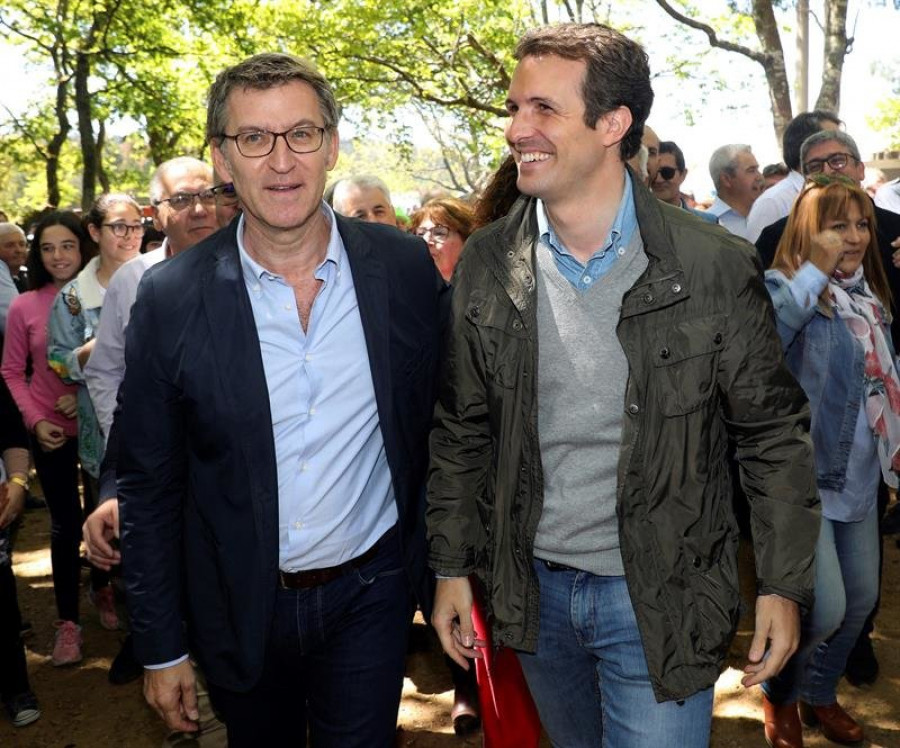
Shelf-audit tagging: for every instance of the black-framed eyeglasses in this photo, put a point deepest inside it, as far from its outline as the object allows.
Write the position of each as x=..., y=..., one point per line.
x=837, y=161
x=225, y=193
x=438, y=232
x=260, y=143
x=124, y=230
x=183, y=200
x=667, y=172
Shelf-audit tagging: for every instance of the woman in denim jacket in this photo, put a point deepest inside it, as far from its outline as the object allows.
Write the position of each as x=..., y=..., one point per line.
x=830, y=294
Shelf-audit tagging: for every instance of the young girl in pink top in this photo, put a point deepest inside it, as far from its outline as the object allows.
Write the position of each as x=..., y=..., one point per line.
x=59, y=250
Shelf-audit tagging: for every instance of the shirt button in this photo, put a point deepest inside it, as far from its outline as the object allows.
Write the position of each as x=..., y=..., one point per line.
x=312, y=411
x=307, y=357
x=304, y=466
x=257, y=288
x=298, y=525
x=287, y=307
x=620, y=251
x=586, y=279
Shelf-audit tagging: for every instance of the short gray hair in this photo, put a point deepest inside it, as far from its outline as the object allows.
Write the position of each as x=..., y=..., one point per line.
x=828, y=136
x=260, y=73
x=724, y=161
x=362, y=182
x=156, y=190
x=7, y=227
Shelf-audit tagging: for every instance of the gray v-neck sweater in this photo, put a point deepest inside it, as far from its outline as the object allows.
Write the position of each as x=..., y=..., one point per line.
x=582, y=374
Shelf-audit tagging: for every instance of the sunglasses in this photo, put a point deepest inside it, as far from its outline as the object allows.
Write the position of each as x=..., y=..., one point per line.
x=667, y=172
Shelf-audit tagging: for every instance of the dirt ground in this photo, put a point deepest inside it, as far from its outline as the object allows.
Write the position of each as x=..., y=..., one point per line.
x=82, y=710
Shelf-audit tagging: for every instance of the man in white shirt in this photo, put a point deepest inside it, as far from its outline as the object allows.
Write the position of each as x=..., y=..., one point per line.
x=735, y=173
x=184, y=209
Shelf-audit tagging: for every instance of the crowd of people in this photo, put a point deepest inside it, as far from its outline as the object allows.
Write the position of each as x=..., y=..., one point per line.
x=302, y=415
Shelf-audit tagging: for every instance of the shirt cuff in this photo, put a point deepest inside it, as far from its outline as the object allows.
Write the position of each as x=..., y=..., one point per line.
x=807, y=285
x=173, y=663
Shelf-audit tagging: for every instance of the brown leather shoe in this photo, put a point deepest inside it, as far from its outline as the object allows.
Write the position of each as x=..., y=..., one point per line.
x=782, y=724
x=835, y=723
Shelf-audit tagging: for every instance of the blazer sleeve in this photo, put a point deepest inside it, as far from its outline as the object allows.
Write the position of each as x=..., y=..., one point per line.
x=151, y=473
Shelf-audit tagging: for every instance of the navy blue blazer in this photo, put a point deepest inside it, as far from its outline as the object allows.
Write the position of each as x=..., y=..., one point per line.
x=197, y=476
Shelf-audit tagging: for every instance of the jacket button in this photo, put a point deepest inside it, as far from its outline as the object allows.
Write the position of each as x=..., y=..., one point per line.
x=511, y=253
x=474, y=311
x=718, y=338
x=517, y=324
x=664, y=353
x=633, y=409
x=648, y=298
x=697, y=562
x=676, y=288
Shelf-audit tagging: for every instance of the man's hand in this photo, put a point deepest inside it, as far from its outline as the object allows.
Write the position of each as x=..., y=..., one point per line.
x=778, y=623
x=49, y=435
x=452, y=619
x=12, y=503
x=67, y=405
x=172, y=692
x=98, y=530
x=895, y=257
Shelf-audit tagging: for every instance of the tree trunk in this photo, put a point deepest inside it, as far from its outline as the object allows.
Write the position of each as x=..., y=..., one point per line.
x=801, y=85
x=101, y=171
x=54, y=147
x=835, y=49
x=776, y=74
x=85, y=131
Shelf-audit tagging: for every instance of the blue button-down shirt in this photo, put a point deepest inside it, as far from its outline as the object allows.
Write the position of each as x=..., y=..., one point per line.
x=335, y=496
x=583, y=277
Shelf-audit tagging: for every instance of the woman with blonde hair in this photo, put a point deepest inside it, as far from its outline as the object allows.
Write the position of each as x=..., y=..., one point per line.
x=831, y=299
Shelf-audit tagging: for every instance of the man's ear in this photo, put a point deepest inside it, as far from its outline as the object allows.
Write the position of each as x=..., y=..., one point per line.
x=615, y=125
x=220, y=161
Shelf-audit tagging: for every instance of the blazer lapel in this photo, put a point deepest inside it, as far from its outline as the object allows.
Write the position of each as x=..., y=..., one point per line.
x=238, y=367
x=371, y=283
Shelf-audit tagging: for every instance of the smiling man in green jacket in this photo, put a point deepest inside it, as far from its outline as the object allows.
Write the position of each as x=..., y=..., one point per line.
x=603, y=349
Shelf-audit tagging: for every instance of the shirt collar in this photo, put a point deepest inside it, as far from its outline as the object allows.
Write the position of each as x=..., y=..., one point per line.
x=720, y=208
x=253, y=271
x=621, y=231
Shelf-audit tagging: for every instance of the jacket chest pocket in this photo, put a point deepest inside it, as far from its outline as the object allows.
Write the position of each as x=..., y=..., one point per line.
x=502, y=335
x=685, y=359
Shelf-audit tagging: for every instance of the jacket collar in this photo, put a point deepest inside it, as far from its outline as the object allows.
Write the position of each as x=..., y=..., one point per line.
x=662, y=284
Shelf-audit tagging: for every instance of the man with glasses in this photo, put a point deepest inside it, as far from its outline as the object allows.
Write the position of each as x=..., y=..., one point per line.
x=670, y=174
x=273, y=439
x=775, y=203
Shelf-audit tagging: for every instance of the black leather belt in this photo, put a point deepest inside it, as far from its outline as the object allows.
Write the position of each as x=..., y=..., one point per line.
x=301, y=580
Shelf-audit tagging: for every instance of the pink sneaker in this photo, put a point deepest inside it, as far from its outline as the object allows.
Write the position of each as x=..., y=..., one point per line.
x=67, y=647
x=104, y=603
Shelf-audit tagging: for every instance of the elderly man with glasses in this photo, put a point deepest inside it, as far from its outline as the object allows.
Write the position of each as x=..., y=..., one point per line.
x=273, y=439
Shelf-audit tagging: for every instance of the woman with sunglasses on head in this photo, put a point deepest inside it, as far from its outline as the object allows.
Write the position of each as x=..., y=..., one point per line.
x=444, y=223
x=60, y=248
x=831, y=299
x=114, y=223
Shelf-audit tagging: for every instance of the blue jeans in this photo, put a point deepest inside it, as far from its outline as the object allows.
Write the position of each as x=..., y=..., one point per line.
x=847, y=561
x=334, y=664
x=589, y=675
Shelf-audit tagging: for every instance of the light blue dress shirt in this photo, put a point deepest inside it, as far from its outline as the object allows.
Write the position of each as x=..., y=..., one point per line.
x=581, y=276
x=335, y=496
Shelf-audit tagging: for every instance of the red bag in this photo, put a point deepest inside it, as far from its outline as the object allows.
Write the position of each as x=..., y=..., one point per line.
x=509, y=717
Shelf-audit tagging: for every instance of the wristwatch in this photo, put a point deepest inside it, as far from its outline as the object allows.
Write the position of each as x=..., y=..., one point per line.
x=19, y=480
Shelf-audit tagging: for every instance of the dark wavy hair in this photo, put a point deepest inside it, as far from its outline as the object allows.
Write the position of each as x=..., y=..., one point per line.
x=38, y=277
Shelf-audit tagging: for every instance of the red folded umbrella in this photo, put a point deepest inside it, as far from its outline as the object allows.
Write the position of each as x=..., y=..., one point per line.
x=509, y=717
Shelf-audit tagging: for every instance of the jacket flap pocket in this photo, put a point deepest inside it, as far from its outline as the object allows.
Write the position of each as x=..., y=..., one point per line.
x=689, y=338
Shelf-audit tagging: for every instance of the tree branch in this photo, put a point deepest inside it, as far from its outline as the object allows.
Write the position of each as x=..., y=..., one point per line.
x=712, y=35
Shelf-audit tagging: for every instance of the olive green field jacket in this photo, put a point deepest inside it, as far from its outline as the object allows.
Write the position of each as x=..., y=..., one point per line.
x=705, y=364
